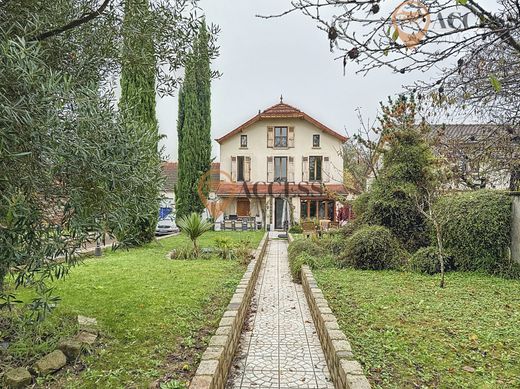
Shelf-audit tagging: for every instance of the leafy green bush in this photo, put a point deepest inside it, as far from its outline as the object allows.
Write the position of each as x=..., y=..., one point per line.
x=184, y=253
x=334, y=242
x=304, y=258
x=296, y=229
x=242, y=251
x=476, y=227
x=309, y=252
x=426, y=260
x=352, y=226
x=225, y=247
x=373, y=248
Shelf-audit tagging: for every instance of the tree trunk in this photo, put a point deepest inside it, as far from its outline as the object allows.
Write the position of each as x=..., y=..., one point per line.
x=514, y=181
x=440, y=251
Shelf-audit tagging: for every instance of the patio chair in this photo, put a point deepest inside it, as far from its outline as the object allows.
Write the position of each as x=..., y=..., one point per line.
x=334, y=225
x=324, y=224
x=309, y=229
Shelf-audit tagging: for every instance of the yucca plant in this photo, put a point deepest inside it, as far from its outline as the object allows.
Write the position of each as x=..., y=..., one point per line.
x=194, y=227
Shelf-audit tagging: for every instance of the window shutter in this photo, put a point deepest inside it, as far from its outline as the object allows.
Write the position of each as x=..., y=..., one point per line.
x=233, y=168
x=290, y=170
x=270, y=175
x=305, y=169
x=290, y=140
x=247, y=169
x=326, y=170
x=270, y=136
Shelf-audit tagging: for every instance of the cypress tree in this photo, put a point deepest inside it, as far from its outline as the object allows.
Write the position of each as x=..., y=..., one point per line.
x=194, y=127
x=204, y=95
x=137, y=107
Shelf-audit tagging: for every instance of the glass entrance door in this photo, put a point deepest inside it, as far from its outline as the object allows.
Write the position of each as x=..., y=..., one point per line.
x=278, y=213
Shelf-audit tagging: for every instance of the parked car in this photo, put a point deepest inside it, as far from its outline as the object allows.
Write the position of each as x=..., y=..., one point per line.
x=166, y=226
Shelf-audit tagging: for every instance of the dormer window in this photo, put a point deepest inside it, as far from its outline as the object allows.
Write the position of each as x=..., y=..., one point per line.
x=243, y=141
x=316, y=140
x=280, y=137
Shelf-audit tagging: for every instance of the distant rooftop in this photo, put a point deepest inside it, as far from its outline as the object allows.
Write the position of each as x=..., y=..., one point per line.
x=171, y=173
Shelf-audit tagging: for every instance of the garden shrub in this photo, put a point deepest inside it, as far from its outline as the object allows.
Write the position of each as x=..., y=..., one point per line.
x=225, y=247
x=314, y=262
x=334, y=242
x=476, y=227
x=296, y=229
x=184, y=253
x=426, y=260
x=352, y=226
x=373, y=248
x=309, y=246
x=408, y=163
x=309, y=252
x=242, y=251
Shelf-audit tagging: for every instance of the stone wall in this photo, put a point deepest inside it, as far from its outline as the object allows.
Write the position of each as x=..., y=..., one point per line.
x=215, y=364
x=346, y=372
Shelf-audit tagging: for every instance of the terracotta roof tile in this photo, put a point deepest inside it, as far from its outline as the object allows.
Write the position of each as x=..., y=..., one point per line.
x=282, y=110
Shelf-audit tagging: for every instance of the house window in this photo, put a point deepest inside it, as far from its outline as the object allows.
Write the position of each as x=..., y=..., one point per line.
x=280, y=168
x=243, y=140
x=316, y=140
x=240, y=169
x=315, y=164
x=317, y=209
x=280, y=137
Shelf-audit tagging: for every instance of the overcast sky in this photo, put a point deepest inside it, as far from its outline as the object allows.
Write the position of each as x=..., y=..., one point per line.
x=263, y=59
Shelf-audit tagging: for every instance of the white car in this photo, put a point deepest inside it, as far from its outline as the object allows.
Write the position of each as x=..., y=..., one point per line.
x=166, y=226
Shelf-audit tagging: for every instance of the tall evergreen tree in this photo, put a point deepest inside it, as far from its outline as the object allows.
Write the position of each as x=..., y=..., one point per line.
x=137, y=107
x=194, y=127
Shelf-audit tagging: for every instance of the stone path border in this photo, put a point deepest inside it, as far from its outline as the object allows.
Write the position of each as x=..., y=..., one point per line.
x=345, y=370
x=279, y=347
x=216, y=361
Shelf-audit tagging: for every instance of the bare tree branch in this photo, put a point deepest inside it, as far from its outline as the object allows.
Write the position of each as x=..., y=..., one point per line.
x=85, y=18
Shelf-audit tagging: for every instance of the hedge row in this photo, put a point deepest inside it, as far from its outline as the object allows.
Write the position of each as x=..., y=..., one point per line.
x=476, y=229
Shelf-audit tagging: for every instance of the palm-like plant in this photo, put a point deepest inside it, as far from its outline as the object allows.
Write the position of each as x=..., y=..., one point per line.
x=194, y=226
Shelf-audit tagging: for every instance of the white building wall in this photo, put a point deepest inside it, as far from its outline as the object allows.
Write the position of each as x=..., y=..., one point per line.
x=258, y=151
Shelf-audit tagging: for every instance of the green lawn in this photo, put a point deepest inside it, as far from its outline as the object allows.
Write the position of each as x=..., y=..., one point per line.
x=409, y=333
x=156, y=315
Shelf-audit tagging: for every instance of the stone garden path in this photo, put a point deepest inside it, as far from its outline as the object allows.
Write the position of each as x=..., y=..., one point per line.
x=279, y=347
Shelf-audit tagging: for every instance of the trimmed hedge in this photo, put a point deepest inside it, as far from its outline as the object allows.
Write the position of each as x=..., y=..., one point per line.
x=373, y=248
x=476, y=228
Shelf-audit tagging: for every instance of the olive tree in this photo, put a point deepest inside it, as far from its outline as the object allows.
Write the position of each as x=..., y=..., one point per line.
x=67, y=160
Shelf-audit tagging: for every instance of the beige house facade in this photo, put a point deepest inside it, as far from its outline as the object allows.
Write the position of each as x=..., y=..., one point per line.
x=280, y=167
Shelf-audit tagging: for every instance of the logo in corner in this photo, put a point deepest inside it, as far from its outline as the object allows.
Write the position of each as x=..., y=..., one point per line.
x=411, y=20
x=214, y=205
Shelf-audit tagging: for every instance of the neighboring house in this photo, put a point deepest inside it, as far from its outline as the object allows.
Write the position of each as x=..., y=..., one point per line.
x=481, y=155
x=171, y=175
x=281, y=166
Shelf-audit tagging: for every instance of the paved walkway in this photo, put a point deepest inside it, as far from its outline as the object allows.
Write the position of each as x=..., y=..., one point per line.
x=279, y=347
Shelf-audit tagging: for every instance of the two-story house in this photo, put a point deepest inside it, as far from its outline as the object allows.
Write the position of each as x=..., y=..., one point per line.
x=281, y=166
